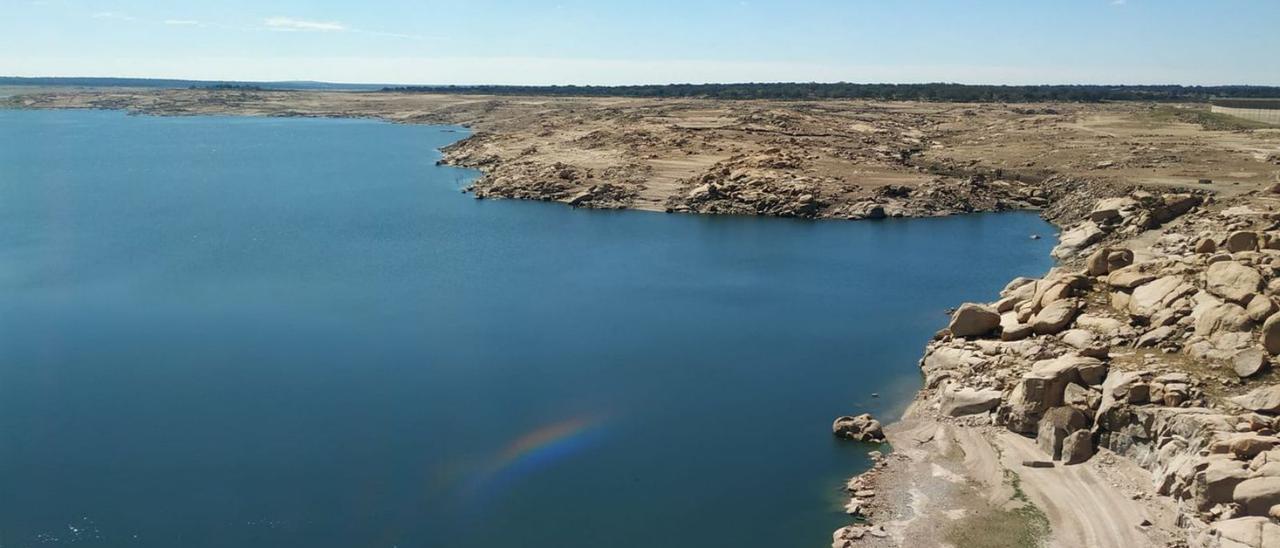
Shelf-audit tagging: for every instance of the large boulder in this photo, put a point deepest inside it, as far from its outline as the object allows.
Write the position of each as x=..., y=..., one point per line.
x=861, y=428
x=1261, y=400
x=1107, y=260
x=1152, y=297
x=1075, y=240
x=1040, y=389
x=967, y=401
x=1271, y=334
x=1233, y=281
x=1217, y=483
x=1078, y=447
x=1242, y=241
x=1246, y=532
x=1111, y=210
x=973, y=320
x=1055, y=318
x=1222, y=318
x=1056, y=424
x=1256, y=496
x=1261, y=307
x=1249, y=362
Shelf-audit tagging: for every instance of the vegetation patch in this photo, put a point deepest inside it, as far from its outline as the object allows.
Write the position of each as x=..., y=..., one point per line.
x=1019, y=524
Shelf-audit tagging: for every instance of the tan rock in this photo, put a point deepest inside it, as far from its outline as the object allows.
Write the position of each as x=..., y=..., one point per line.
x=973, y=320
x=1261, y=307
x=1149, y=298
x=1055, y=318
x=1078, y=447
x=1222, y=318
x=1249, y=362
x=1262, y=400
x=1256, y=496
x=1233, y=281
x=1271, y=334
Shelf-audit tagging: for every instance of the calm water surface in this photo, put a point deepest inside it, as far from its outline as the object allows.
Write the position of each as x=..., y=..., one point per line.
x=285, y=332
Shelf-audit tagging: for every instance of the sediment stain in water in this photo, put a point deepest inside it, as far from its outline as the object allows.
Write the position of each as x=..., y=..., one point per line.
x=225, y=331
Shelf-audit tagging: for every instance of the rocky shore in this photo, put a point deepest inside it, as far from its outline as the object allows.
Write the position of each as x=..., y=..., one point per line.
x=1146, y=354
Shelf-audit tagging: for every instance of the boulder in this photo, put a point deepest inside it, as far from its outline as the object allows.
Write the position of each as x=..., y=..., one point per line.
x=1111, y=210
x=1055, y=317
x=1261, y=400
x=1271, y=334
x=1242, y=241
x=973, y=320
x=1040, y=389
x=861, y=428
x=1078, y=447
x=1107, y=260
x=1247, y=446
x=1261, y=307
x=1155, y=336
x=1056, y=424
x=1129, y=277
x=1217, y=483
x=1249, y=362
x=1222, y=318
x=1152, y=297
x=1206, y=245
x=1175, y=205
x=1246, y=532
x=1233, y=281
x=1256, y=496
x=1075, y=240
x=967, y=401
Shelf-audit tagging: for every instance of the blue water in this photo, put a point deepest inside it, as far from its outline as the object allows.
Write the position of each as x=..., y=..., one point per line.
x=253, y=332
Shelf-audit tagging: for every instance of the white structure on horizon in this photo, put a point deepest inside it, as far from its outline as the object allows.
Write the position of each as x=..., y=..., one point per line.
x=1259, y=110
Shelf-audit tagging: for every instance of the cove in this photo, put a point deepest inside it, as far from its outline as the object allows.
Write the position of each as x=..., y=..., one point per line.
x=223, y=331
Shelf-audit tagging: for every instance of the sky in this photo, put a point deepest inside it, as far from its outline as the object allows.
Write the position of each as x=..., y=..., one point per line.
x=614, y=42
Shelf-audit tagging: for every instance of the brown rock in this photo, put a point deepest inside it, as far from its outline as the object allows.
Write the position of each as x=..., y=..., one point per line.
x=1242, y=241
x=1271, y=334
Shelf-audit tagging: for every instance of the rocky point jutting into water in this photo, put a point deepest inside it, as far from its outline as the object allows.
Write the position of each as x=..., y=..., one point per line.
x=1124, y=398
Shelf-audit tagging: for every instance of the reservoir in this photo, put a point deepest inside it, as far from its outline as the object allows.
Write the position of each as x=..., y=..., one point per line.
x=264, y=332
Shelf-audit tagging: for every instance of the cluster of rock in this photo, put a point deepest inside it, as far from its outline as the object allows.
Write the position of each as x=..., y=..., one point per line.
x=526, y=179
x=767, y=183
x=1162, y=358
x=860, y=428
x=1123, y=216
x=861, y=490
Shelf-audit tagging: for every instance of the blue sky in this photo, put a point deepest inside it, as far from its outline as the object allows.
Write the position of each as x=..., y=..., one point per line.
x=653, y=41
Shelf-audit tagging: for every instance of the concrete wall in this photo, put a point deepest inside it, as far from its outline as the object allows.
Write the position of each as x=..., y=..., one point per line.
x=1270, y=116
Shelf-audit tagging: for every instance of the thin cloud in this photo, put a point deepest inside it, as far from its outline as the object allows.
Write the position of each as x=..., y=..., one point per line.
x=113, y=15
x=1119, y=2
x=290, y=24
x=182, y=22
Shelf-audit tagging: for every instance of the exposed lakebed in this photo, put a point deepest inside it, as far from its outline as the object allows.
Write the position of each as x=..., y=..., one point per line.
x=220, y=331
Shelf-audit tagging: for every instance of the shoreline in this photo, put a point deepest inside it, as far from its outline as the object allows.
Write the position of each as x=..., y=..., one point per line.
x=1122, y=240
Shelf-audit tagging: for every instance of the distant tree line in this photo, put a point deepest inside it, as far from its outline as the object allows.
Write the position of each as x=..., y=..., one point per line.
x=904, y=92
x=239, y=87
